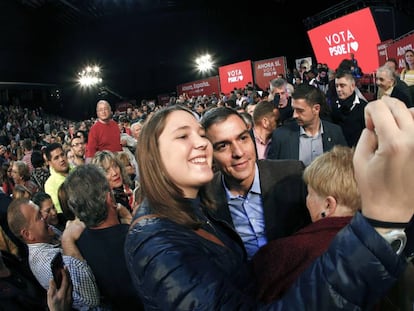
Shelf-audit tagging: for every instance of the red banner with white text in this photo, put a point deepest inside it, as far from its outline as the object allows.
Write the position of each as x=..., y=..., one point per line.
x=353, y=33
x=396, y=49
x=202, y=87
x=382, y=51
x=236, y=75
x=268, y=69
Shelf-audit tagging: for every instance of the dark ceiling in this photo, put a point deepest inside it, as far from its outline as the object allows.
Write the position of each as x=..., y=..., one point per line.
x=145, y=47
x=73, y=12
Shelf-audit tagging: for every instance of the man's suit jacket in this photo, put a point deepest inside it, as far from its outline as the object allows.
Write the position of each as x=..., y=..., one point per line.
x=283, y=194
x=402, y=92
x=285, y=140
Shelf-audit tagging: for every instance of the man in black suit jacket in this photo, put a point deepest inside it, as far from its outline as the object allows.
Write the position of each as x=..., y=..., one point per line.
x=386, y=81
x=309, y=136
x=262, y=200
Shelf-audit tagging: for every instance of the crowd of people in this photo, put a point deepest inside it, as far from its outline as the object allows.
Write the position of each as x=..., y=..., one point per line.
x=295, y=197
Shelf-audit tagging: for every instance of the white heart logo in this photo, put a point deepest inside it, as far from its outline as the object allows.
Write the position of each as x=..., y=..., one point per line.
x=354, y=46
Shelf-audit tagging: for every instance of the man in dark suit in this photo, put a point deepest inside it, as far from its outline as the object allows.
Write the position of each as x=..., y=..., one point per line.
x=262, y=200
x=387, y=83
x=309, y=136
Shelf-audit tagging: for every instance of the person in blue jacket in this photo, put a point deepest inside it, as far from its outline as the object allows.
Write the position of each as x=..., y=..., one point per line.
x=181, y=258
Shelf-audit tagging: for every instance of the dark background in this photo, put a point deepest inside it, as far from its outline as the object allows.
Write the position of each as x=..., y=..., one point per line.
x=147, y=47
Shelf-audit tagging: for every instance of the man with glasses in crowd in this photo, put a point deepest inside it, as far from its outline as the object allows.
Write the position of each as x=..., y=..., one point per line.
x=78, y=149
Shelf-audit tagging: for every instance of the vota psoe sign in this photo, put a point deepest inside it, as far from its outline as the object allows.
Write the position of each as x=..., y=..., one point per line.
x=202, y=87
x=267, y=70
x=236, y=75
x=353, y=33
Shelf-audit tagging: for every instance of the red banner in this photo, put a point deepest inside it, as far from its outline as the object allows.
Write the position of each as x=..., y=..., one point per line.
x=382, y=51
x=353, y=33
x=268, y=69
x=163, y=99
x=397, y=48
x=202, y=87
x=236, y=75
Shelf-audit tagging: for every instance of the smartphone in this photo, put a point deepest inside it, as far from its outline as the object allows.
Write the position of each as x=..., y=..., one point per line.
x=276, y=100
x=57, y=266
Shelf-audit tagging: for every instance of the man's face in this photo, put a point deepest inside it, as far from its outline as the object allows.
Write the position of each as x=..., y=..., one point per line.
x=58, y=161
x=103, y=111
x=78, y=147
x=383, y=81
x=344, y=87
x=233, y=149
x=37, y=230
x=304, y=114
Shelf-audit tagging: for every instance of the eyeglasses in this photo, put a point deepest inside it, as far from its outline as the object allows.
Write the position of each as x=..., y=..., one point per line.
x=103, y=110
x=77, y=144
x=280, y=93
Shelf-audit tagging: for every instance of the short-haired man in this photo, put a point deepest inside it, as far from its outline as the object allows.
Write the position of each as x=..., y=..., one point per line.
x=102, y=241
x=281, y=97
x=105, y=133
x=77, y=146
x=309, y=136
x=348, y=109
x=386, y=81
x=26, y=222
x=59, y=169
x=263, y=200
x=265, y=119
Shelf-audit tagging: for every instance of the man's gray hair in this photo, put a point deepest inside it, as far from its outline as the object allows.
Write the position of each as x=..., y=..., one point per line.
x=86, y=190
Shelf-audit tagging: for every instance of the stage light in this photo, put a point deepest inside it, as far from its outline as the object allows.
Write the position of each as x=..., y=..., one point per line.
x=90, y=76
x=204, y=63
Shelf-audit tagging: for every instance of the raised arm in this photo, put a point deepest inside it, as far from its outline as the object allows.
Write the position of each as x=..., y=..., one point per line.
x=384, y=162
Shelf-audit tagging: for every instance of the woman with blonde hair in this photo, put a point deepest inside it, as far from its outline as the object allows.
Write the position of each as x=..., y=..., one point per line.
x=117, y=177
x=333, y=199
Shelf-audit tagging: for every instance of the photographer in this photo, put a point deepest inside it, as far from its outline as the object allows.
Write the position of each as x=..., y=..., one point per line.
x=282, y=100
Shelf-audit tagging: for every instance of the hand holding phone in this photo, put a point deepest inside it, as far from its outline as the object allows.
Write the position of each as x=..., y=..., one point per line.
x=57, y=269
